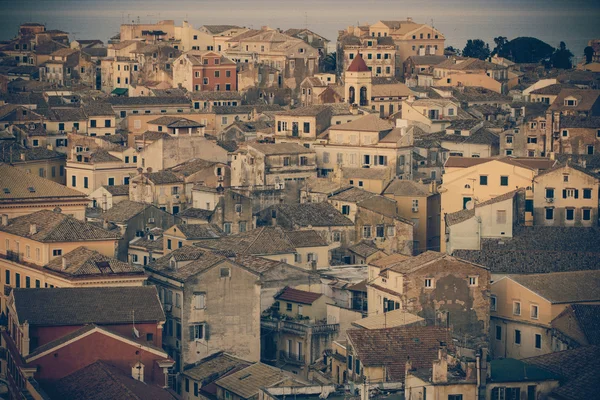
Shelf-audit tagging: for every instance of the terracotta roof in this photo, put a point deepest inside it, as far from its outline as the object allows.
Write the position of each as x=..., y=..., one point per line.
x=358, y=65
x=261, y=241
x=53, y=227
x=190, y=261
x=83, y=262
x=368, y=123
x=117, y=190
x=213, y=367
x=391, y=90
x=216, y=29
x=247, y=382
x=80, y=306
x=15, y=185
x=196, y=213
x=390, y=319
x=351, y=194
x=563, y=287
x=297, y=296
x=313, y=214
x=124, y=210
x=553, y=89
x=378, y=173
x=582, y=323
x=391, y=347
x=363, y=248
x=577, y=367
x=101, y=380
x=308, y=238
x=463, y=215
x=586, y=99
x=280, y=148
x=387, y=261
x=164, y=177
x=403, y=187
x=200, y=231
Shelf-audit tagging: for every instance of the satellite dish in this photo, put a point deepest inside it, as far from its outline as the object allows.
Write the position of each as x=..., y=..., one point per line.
x=470, y=205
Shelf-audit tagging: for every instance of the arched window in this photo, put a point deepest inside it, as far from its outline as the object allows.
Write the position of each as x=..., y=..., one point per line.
x=352, y=95
x=363, y=96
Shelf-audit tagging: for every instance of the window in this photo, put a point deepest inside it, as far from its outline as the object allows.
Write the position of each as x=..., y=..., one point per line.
x=228, y=74
x=565, y=133
x=534, y=311
x=517, y=337
x=36, y=143
x=538, y=341
x=205, y=81
x=169, y=244
x=17, y=280
x=549, y=193
x=501, y=217
x=586, y=214
x=587, y=193
x=590, y=149
x=483, y=179
x=517, y=308
x=570, y=214
x=7, y=280
x=337, y=236
x=473, y=281
x=531, y=139
x=111, y=181
x=288, y=306
x=367, y=231
x=549, y=213
x=455, y=397
x=498, y=332
x=504, y=181
x=225, y=272
x=217, y=74
x=379, y=231
x=198, y=332
x=494, y=303
x=177, y=300
x=428, y=283
x=195, y=388
x=227, y=227
x=85, y=182
x=509, y=139
x=346, y=210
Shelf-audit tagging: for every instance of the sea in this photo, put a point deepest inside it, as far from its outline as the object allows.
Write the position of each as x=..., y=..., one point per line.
x=573, y=21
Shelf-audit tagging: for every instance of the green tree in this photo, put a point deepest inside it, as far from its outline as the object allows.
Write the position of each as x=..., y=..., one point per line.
x=476, y=48
x=525, y=50
x=330, y=63
x=562, y=57
x=450, y=50
x=500, y=42
x=589, y=54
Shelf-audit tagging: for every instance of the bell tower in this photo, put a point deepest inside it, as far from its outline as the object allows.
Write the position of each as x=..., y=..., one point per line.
x=358, y=82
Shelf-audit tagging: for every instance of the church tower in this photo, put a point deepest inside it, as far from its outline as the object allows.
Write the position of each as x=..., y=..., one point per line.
x=358, y=82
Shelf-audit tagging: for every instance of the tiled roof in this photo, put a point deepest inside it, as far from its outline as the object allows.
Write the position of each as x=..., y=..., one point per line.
x=190, y=261
x=351, y=194
x=463, y=215
x=51, y=226
x=553, y=89
x=539, y=250
x=586, y=98
x=580, y=122
x=563, y=287
x=307, y=238
x=391, y=347
x=308, y=111
x=102, y=156
x=192, y=166
x=163, y=177
x=363, y=248
x=247, y=382
x=466, y=162
x=124, y=210
x=117, y=190
x=390, y=260
x=98, y=108
x=281, y=148
x=13, y=153
x=261, y=241
x=80, y=306
x=216, y=29
x=368, y=123
x=83, y=262
x=297, y=296
x=148, y=101
x=382, y=205
x=16, y=185
x=577, y=367
x=196, y=213
x=390, y=319
x=391, y=90
x=358, y=65
x=200, y=231
x=511, y=370
x=213, y=367
x=313, y=214
x=427, y=60
x=403, y=187
x=380, y=173
x=101, y=380
x=479, y=94
x=581, y=319
x=211, y=95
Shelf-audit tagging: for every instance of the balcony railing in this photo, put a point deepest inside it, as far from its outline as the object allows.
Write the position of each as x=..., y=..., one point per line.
x=292, y=358
x=300, y=328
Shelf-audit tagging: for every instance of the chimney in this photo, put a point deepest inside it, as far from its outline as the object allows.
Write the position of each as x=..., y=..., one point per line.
x=552, y=156
x=64, y=263
x=32, y=229
x=105, y=224
x=407, y=366
x=22, y=156
x=354, y=109
x=440, y=366
x=4, y=219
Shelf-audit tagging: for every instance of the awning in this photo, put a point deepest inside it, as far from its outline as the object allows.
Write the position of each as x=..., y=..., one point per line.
x=120, y=91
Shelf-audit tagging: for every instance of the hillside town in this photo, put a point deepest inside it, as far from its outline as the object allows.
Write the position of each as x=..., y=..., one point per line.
x=227, y=213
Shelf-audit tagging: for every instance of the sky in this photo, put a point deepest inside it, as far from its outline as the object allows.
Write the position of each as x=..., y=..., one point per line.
x=574, y=22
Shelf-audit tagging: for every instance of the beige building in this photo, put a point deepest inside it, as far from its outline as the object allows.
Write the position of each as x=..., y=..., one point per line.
x=469, y=181
x=523, y=307
x=164, y=189
x=211, y=304
x=419, y=284
x=180, y=235
x=24, y=193
x=379, y=54
x=87, y=170
x=432, y=115
x=419, y=203
x=272, y=164
x=471, y=72
x=106, y=196
x=565, y=195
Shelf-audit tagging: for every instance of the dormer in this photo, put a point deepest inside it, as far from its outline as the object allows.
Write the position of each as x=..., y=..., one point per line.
x=570, y=101
x=173, y=263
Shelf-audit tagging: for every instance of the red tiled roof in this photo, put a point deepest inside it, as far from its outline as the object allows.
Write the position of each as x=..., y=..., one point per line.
x=297, y=296
x=358, y=65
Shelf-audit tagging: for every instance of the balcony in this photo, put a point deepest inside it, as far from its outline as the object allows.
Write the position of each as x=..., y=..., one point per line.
x=299, y=327
x=292, y=358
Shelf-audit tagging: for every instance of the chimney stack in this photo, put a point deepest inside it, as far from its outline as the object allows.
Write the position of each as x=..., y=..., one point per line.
x=440, y=366
x=22, y=156
x=105, y=224
x=4, y=219
x=64, y=263
x=32, y=229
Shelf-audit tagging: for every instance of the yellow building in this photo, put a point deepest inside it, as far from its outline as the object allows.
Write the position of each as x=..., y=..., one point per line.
x=523, y=307
x=181, y=235
x=565, y=195
x=468, y=181
x=419, y=203
x=23, y=193
x=89, y=170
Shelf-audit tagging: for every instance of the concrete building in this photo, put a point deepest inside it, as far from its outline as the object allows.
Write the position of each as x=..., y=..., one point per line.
x=204, y=71
x=106, y=196
x=565, y=195
x=211, y=303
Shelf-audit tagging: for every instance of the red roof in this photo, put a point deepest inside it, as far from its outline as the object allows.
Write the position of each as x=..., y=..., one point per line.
x=297, y=296
x=358, y=65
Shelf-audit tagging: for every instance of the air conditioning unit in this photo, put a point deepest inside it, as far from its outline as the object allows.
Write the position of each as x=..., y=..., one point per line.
x=415, y=209
x=550, y=200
